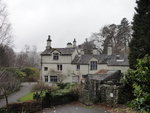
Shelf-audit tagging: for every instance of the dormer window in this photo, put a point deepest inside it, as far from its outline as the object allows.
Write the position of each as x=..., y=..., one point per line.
x=78, y=67
x=93, y=65
x=55, y=56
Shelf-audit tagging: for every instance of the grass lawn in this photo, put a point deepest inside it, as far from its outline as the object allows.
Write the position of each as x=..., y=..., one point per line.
x=29, y=96
x=26, y=97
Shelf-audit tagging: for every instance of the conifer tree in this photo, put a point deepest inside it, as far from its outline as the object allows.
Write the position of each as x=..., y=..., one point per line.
x=140, y=43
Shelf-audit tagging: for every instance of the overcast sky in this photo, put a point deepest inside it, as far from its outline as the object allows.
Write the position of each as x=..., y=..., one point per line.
x=64, y=20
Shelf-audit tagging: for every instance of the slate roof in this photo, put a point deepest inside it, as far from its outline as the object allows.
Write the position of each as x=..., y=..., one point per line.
x=63, y=51
x=109, y=75
x=102, y=59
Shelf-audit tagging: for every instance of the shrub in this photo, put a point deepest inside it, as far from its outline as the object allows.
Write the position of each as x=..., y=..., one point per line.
x=24, y=107
x=32, y=74
x=140, y=81
x=58, y=98
x=63, y=85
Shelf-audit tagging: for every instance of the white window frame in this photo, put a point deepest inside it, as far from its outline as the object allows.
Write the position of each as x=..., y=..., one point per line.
x=53, y=79
x=55, y=56
x=93, y=65
x=59, y=67
x=78, y=66
x=46, y=78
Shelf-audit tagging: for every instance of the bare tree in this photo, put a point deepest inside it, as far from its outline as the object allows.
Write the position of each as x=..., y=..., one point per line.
x=6, y=52
x=9, y=82
x=60, y=75
x=5, y=26
x=28, y=57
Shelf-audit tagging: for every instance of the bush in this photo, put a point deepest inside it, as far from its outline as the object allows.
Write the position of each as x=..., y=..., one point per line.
x=24, y=107
x=57, y=99
x=140, y=81
x=32, y=74
x=63, y=85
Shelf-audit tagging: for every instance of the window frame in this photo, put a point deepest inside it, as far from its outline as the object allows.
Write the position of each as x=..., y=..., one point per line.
x=93, y=65
x=53, y=79
x=59, y=67
x=55, y=56
x=46, y=78
x=78, y=66
x=45, y=68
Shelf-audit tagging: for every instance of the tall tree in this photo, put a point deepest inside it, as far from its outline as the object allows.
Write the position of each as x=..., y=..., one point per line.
x=139, y=45
x=88, y=46
x=5, y=26
x=6, y=51
x=117, y=35
x=7, y=56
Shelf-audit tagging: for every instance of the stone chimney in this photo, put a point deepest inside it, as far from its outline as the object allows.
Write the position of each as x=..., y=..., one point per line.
x=74, y=43
x=48, y=42
x=109, y=49
x=69, y=45
x=95, y=51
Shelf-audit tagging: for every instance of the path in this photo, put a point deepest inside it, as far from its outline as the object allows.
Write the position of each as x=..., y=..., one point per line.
x=73, y=109
x=25, y=88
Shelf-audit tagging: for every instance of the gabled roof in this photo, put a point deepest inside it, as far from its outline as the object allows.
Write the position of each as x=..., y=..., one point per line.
x=63, y=51
x=110, y=60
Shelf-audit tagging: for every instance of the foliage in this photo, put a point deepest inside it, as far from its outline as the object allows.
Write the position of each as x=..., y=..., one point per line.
x=24, y=107
x=30, y=71
x=69, y=93
x=139, y=45
x=32, y=74
x=51, y=99
x=16, y=71
x=140, y=81
x=63, y=85
x=88, y=46
x=40, y=88
x=7, y=56
x=118, y=36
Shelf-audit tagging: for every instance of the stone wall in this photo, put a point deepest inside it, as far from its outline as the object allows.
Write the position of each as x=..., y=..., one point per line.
x=109, y=93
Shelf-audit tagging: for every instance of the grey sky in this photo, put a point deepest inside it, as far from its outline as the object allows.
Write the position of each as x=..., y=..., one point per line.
x=64, y=20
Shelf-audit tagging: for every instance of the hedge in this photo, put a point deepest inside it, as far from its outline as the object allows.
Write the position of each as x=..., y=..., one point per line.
x=24, y=107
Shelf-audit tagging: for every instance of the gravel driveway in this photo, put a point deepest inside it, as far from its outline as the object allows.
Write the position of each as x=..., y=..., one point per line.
x=25, y=88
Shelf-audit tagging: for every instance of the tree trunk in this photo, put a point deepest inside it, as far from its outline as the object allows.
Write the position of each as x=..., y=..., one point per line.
x=6, y=99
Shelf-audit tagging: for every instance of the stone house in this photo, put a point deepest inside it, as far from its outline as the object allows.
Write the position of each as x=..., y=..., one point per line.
x=70, y=64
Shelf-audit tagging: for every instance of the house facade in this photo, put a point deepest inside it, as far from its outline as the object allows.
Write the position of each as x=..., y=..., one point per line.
x=70, y=64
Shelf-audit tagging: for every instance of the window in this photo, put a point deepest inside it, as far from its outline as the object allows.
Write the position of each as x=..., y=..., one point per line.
x=46, y=78
x=78, y=67
x=59, y=67
x=53, y=78
x=45, y=68
x=55, y=56
x=93, y=65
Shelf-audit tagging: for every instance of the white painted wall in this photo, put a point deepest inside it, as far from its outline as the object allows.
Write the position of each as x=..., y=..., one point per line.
x=71, y=69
